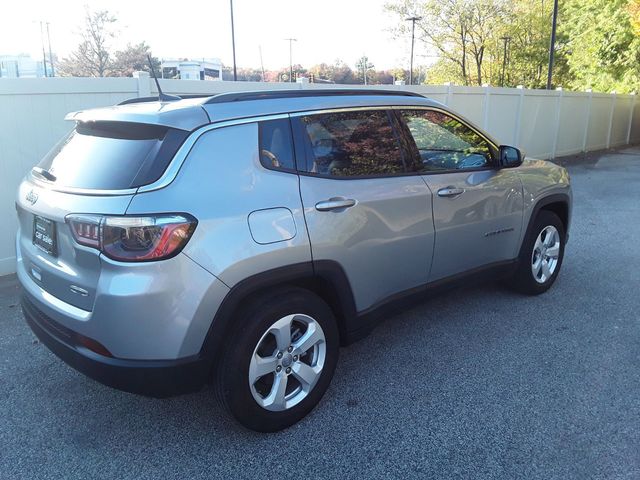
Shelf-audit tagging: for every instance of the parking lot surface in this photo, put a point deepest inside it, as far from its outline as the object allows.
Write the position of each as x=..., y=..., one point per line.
x=477, y=383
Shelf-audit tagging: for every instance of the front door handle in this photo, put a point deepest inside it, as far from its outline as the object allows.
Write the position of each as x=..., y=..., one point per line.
x=450, y=192
x=336, y=203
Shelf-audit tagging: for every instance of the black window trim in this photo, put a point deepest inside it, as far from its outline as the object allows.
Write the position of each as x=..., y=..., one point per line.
x=302, y=147
x=493, y=166
x=295, y=169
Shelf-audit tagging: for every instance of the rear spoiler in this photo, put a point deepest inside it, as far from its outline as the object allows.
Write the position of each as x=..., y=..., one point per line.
x=157, y=99
x=185, y=115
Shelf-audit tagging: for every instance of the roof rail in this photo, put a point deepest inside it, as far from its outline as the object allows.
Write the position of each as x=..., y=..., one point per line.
x=156, y=99
x=276, y=94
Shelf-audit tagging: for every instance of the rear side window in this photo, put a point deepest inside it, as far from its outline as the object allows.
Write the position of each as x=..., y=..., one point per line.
x=350, y=144
x=276, y=144
x=112, y=155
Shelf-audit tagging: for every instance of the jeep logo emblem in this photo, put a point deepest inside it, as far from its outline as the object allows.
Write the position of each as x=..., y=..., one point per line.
x=32, y=197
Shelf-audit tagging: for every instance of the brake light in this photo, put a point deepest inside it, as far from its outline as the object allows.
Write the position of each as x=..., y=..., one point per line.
x=134, y=239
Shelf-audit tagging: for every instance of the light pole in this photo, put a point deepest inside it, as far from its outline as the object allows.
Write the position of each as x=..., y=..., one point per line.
x=291, y=40
x=552, y=46
x=53, y=74
x=413, y=21
x=44, y=56
x=233, y=45
x=504, y=59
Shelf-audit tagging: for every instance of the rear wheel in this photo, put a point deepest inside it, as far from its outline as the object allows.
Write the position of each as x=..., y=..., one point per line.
x=541, y=255
x=280, y=359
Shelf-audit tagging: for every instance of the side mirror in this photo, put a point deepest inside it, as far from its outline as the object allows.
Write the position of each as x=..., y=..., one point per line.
x=510, y=157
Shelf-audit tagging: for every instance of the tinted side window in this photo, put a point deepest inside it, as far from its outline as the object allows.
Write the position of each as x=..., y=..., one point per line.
x=347, y=144
x=276, y=146
x=445, y=143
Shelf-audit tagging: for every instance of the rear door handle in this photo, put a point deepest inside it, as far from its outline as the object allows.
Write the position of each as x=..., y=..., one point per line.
x=450, y=192
x=337, y=203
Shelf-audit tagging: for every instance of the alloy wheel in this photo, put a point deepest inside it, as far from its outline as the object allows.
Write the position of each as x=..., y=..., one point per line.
x=545, y=255
x=287, y=362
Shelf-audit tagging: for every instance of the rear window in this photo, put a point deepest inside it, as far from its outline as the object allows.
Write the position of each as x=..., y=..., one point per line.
x=111, y=155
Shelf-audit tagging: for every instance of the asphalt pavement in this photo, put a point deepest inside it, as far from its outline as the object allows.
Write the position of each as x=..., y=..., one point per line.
x=477, y=383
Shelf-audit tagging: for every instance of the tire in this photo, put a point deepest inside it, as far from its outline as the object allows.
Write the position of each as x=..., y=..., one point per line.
x=545, y=227
x=258, y=344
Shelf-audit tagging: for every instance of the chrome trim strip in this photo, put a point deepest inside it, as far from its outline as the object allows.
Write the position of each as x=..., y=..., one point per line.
x=405, y=107
x=80, y=191
x=460, y=118
x=175, y=165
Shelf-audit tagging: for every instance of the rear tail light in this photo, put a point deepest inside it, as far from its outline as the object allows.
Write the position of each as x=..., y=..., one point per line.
x=134, y=239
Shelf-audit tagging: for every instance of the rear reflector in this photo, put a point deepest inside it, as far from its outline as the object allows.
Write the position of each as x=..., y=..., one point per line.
x=93, y=345
x=134, y=239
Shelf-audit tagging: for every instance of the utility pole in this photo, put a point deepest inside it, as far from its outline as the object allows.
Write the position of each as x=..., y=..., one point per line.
x=365, y=60
x=506, y=40
x=233, y=45
x=413, y=21
x=291, y=40
x=53, y=74
x=261, y=62
x=552, y=46
x=44, y=56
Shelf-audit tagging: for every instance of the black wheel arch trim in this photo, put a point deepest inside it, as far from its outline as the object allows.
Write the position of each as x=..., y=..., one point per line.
x=543, y=202
x=352, y=324
x=307, y=275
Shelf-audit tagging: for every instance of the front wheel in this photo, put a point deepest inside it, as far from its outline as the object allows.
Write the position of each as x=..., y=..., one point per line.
x=279, y=360
x=541, y=255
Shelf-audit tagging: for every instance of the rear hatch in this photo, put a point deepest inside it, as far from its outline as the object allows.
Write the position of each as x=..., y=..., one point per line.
x=96, y=169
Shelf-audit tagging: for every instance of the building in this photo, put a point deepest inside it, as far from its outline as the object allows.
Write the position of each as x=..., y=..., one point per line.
x=22, y=66
x=205, y=69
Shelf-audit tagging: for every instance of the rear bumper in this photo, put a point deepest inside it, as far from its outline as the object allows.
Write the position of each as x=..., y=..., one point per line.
x=154, y=378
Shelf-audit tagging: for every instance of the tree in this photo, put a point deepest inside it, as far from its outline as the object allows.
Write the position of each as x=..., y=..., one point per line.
x=601, y=46
x=444, y=71
x=363, y=66
x=322, y=72
x=382, y=77
x=461, y=31
x=634, y=15
x=133, y=59
x=92, y=57
x=245, y=74
x=298, y=71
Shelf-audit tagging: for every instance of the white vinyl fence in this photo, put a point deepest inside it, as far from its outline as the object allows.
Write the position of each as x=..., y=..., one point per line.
x=545, y=124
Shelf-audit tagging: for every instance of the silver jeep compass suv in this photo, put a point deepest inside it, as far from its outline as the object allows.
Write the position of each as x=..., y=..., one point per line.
x=242, y=238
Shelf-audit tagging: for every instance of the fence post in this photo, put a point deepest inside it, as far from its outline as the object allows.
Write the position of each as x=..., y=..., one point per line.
x=516, y=133
x=558, y=117
x=633, y=108
x=144, y=87
x=485, y=108
x=447, y=101
x=613, y=108
x=585, y=139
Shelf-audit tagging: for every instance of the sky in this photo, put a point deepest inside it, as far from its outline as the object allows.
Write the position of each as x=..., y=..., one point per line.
x=325, y=30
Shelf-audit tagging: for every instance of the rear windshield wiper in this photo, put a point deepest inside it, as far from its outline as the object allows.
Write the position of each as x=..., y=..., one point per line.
x=44, y=174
